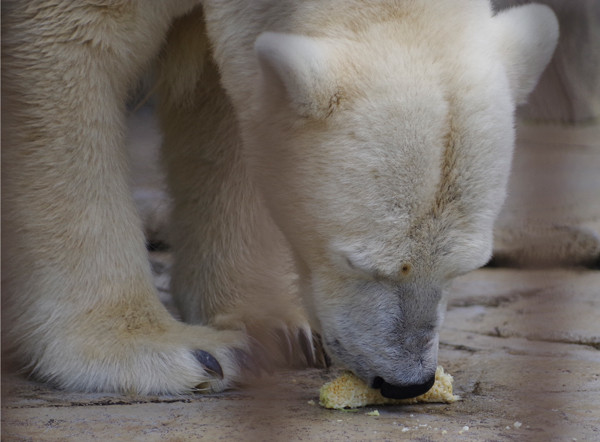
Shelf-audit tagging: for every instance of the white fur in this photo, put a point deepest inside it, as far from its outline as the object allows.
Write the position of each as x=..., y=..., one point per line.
x=79, y=308
x=366, y=145
x=525, y=55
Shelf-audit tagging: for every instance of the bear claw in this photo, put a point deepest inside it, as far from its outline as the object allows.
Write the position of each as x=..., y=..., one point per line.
x=248, y=362
x=306, y=344
x=209, y=363
x=286, y=345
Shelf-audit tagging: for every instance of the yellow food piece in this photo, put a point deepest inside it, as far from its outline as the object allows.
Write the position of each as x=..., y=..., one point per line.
x=348, y=391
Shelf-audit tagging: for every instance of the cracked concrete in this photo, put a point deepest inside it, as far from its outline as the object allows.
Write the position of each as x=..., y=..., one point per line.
x=521, y=344
x=543, y=300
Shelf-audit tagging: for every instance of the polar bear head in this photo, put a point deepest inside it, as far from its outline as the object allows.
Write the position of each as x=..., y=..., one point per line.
x=382, y=146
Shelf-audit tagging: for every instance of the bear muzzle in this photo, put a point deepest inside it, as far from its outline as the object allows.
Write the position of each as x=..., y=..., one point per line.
x=402, y=391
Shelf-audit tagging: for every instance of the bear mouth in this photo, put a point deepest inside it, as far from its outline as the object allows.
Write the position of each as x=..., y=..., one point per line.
x=387, y=390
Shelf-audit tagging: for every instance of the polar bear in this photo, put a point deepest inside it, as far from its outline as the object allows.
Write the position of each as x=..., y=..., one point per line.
x=333, y=163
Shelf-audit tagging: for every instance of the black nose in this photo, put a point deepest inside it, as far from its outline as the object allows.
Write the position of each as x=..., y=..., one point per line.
x=402, y=391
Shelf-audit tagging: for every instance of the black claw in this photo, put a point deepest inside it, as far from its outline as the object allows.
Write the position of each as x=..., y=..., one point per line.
x=323, y=360
x=261, y=357
x=286, y=343
x=307, y=348
x=209, y=363
x=327, y=359
x=246, y=361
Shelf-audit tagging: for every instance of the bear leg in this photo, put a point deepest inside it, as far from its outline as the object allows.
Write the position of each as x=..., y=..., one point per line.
x=232, y=267
x=79, y=307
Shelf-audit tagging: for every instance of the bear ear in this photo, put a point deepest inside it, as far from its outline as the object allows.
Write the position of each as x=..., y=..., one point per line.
x=297, y=69
x=528, y=35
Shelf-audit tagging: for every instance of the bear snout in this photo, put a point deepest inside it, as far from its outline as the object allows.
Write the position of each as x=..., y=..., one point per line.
x=402, y=391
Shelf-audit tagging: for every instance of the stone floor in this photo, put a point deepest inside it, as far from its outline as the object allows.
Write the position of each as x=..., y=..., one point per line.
x=523, y=346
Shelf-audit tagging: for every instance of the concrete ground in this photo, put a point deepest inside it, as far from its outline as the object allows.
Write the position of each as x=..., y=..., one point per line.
x=523, y=346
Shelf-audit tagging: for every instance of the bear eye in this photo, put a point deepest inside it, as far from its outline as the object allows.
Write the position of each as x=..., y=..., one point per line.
x=364, y=271
x=369, y=272
x=404, y=271
x=355, y=263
